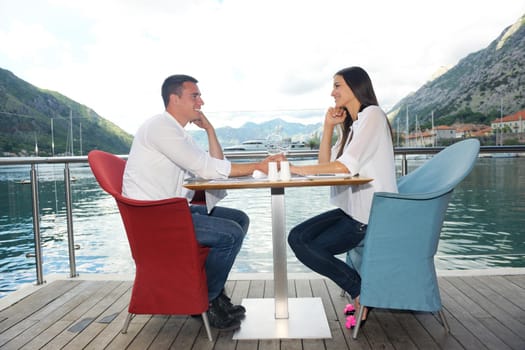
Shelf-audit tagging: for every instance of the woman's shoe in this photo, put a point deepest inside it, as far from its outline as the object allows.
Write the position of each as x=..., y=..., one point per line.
x=351, y=321
x=349, y=309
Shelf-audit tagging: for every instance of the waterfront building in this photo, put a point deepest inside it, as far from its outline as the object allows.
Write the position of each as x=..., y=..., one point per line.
x=514, y=123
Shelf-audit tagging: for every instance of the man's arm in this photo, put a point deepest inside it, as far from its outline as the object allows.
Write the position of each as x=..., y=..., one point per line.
x=214, y=147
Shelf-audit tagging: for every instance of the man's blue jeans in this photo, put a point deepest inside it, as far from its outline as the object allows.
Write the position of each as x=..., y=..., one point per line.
x=317, y=240
x=222, y=230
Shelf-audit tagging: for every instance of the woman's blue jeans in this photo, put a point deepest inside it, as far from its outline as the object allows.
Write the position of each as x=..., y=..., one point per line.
x=318, y=240
x=222, y=230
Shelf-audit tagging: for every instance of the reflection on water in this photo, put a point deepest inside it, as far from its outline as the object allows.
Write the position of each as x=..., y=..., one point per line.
x=484, y=225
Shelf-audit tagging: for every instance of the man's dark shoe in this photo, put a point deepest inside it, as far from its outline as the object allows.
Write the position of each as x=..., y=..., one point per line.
x=225, y=303
x=220, y=319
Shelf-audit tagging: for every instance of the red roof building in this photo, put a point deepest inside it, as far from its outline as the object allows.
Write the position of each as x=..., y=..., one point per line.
x=513, y=123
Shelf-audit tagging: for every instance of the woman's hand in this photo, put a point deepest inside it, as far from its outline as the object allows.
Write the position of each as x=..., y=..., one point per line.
x=334, y=116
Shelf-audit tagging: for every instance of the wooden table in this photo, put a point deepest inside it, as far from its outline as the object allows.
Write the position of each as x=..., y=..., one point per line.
x=294, y=317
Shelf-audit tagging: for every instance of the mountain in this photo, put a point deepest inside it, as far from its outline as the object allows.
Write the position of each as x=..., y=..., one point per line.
x=233, y=136
x=30, y=115
x=474, y=90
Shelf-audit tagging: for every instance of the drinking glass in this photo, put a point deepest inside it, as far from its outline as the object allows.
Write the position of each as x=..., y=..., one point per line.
x=273, y=144
x=285, y=146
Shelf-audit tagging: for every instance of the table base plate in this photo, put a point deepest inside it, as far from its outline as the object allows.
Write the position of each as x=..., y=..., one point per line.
x=306, y=320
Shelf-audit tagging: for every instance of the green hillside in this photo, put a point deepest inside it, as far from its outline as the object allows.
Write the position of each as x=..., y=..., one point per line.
x=31, y=116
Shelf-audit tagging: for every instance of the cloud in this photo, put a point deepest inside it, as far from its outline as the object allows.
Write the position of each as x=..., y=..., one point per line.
x=272, y=57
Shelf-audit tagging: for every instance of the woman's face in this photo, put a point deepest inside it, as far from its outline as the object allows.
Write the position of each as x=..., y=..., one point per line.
x=342, y=93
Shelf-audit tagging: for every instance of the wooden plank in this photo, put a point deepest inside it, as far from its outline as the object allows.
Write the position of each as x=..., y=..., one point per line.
x=507, y=329
x=168, y=333
x=302, y=289
x=499, y=295
x=202, y=342
x=148, y=333
x=47, y=315
x=394, y=331
x=122, y=341
x=415, y=330
x=34, y=302
x=374, y=332
x=481, y=311
x=338, y=340
x=460, y=305
x=112, y=329
x=443, y=339
x=80, y=313
x=513, y=293
x=81, y=339
x=239, y=292
x=256, y=289
x=518, y=280
x=320, y=289
x=190, y=331
x=268, y=289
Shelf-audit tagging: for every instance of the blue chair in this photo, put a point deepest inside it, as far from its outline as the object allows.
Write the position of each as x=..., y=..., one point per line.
x=396, y=260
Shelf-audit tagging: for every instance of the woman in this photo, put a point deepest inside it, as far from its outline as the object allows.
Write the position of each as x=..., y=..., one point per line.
x=364, y=146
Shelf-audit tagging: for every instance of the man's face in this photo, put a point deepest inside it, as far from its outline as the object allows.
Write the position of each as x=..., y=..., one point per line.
x=189, y=104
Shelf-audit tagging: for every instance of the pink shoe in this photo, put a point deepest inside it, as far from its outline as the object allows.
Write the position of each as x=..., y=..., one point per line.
x=349, y=309
x=350, y=322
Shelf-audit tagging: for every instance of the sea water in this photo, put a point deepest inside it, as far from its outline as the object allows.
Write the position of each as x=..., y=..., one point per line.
x=484, y=226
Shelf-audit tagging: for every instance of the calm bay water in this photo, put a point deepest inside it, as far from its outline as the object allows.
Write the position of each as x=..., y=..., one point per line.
x=484, y=227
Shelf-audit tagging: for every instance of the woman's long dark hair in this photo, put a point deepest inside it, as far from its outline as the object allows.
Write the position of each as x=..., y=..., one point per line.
x=359, y=82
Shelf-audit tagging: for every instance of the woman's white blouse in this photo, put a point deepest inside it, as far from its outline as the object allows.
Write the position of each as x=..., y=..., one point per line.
x=369, y=153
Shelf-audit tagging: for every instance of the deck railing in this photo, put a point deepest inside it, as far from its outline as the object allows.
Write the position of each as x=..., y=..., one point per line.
x=233, y=156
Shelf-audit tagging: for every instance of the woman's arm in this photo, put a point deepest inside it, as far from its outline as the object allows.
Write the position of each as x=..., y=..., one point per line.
x=332, y=118
x=321, y=168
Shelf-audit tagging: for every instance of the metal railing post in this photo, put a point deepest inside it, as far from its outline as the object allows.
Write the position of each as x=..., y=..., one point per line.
x=69, y=216
x=36, y=225
x=404, y=165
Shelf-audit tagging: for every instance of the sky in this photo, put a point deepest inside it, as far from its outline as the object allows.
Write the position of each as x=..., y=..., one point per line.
x=255, y=60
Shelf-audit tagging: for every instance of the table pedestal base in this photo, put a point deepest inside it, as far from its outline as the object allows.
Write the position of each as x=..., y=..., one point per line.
x=307, y=319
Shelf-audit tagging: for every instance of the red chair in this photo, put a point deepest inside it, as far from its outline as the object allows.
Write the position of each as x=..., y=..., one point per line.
x=170, y=276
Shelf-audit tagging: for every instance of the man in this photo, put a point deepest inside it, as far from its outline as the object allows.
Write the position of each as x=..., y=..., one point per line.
x=162, y=155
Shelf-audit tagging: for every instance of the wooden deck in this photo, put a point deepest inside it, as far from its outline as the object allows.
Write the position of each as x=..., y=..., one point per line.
x=483, y=311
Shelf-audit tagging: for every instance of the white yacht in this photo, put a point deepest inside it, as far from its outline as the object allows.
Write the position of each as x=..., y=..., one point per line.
x=249, y=145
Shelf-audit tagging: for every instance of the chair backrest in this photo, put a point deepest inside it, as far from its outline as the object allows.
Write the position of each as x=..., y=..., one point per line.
x=397, y=267
x=170, y=275
x=108, y=170
x=442, y=172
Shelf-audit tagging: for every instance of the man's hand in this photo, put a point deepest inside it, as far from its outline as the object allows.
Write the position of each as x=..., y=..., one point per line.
x=202, y=122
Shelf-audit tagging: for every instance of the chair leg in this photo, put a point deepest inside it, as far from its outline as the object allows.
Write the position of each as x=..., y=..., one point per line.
x=126, y=323
x=444, y=320
x=358, y=321
x=207, y=325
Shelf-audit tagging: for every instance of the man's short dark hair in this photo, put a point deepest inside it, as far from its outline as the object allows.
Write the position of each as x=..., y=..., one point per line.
x=173, y=85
